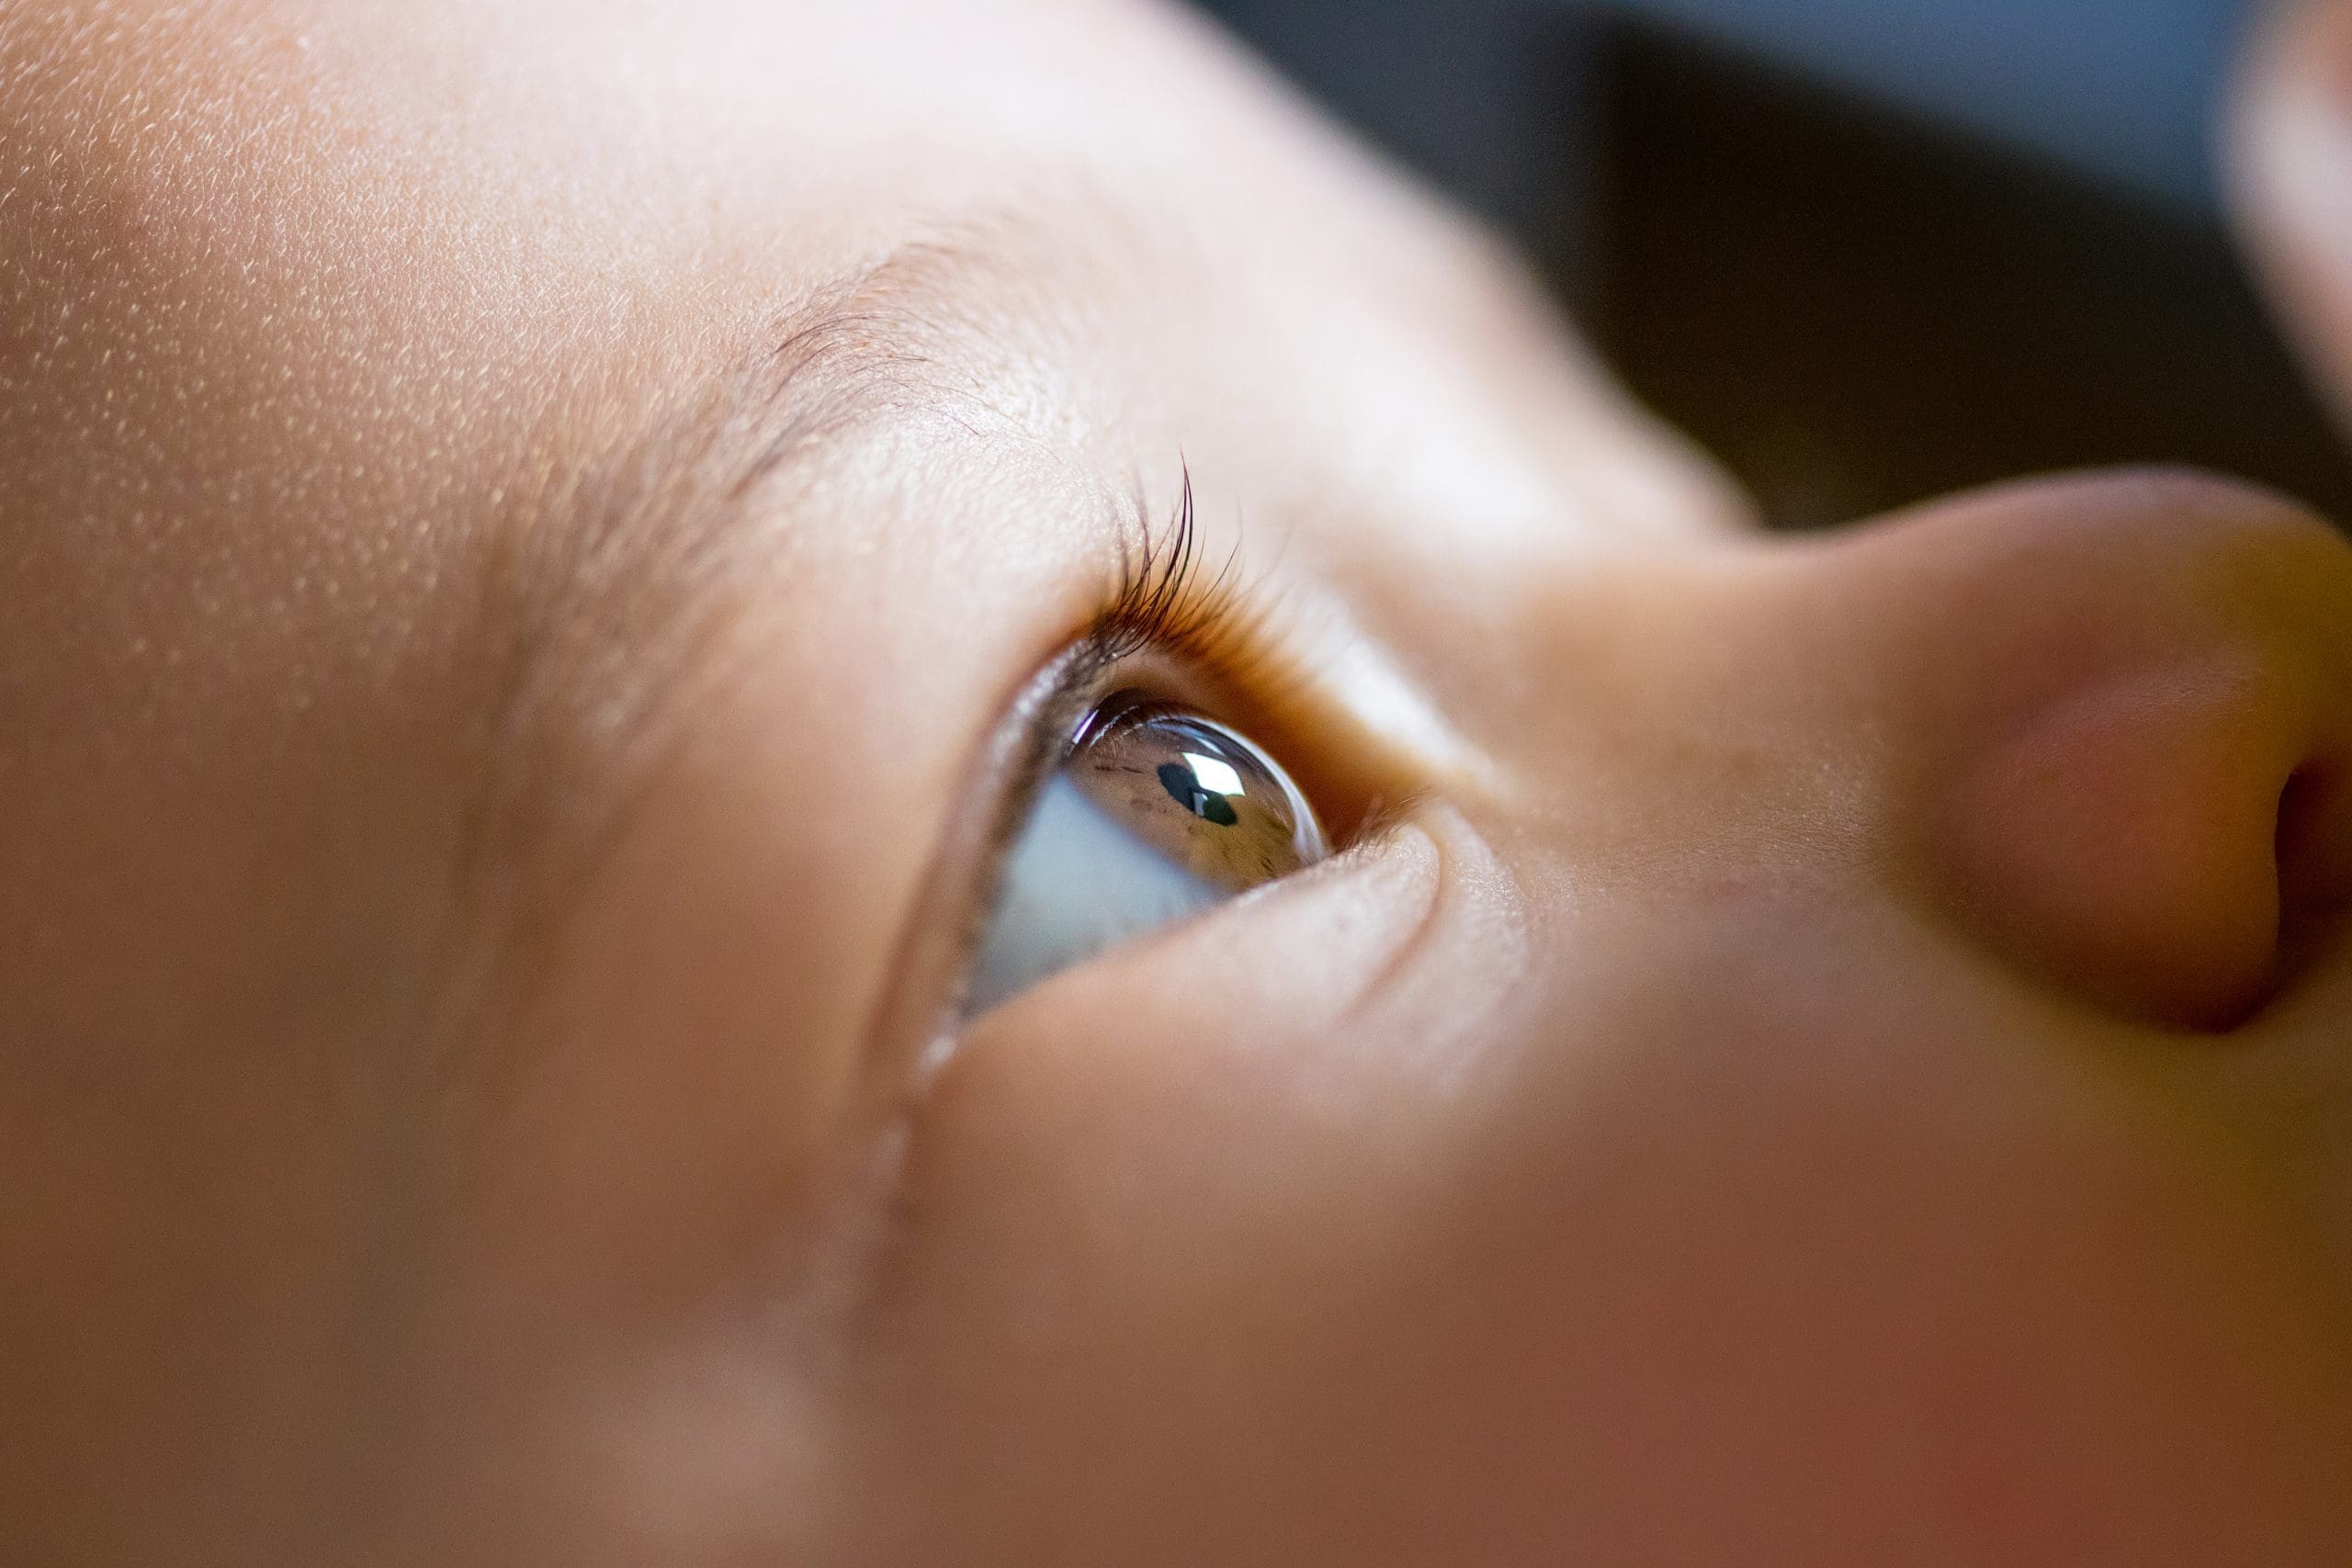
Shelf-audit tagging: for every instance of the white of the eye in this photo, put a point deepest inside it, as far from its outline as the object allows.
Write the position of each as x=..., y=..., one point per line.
x=1076, y=883
x=1216, y=776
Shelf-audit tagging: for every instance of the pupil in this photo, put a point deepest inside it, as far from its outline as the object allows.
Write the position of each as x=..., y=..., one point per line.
x=1178, y=781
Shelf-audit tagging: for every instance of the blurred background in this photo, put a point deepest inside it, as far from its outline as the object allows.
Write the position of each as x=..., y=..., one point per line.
x=1867, y=251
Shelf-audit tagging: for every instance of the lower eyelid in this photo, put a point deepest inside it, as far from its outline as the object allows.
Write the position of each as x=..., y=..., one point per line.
x=1372, y=951
x=1307, y=957
x=1471, y=909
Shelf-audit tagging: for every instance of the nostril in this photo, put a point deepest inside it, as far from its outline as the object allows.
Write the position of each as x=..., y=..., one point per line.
x=2133, y=699
x=2314, y=858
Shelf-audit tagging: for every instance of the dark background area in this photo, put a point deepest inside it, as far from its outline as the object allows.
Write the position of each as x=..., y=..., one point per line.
x=1866, y=251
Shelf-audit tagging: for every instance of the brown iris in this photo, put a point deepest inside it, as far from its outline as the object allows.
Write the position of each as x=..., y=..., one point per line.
x=1200, y=793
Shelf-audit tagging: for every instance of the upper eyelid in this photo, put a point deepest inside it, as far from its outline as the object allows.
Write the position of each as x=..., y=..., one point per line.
x=1047, y=718
x=1152, y=604
x=1166, y=622
x=1159, y=605
x=922, y=1002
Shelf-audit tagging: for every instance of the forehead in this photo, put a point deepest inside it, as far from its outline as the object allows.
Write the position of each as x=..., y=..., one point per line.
x=394, y=234
x=309, y=303
x=349, y=348
x=359, y=343
x=423, y=225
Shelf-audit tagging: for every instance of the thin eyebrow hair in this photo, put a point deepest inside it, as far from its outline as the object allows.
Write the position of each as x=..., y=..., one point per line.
x=611, y=589
x=607, y=598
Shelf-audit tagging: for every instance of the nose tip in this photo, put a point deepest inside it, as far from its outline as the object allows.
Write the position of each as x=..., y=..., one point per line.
x=2143, y=687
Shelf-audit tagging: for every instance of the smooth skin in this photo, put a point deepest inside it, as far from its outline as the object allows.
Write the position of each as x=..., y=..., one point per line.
x=522, y=529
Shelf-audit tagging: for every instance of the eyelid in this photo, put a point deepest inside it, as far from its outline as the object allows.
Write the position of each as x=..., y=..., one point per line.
x=1201, y=643
x=1040, y=734
x=921, y=1011
x=1204, y=648
x=1097, y=696
x=1179, y=635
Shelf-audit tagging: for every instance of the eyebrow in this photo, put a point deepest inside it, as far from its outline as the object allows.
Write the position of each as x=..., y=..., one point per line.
x=606, y=598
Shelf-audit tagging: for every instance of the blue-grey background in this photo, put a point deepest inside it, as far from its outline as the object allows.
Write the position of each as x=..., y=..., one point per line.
x=2125, y=89
x=1866, y=250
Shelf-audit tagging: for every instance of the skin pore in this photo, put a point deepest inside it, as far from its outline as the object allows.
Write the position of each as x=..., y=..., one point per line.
x=524, y=529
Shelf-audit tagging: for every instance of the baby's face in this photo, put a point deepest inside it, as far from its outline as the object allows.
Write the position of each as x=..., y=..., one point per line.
x=539, y=542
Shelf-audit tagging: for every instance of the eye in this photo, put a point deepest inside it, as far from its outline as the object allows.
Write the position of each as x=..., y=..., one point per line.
x=1154, y=813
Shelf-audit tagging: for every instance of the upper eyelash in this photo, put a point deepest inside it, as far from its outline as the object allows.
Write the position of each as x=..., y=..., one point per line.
x=1164, y=602
x=1158, y=603
x=1255, y=645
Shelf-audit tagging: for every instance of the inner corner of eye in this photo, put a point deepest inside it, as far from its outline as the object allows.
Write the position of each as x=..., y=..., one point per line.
x=1156, y=812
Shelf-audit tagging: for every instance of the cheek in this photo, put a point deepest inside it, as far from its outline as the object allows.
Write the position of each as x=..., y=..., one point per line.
x=1795, y=1233
x=1679, y=1262
x=1814, y=1285
x=1154, y=1210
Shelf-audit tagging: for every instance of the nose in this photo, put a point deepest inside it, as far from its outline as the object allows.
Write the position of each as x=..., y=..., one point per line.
x=2132, y=698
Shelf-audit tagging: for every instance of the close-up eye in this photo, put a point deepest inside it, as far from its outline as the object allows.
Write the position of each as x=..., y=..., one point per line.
x=1153, y=812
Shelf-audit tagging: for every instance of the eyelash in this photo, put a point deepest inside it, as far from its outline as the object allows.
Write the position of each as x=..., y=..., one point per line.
x=1242, y=640
x=1161, y=606
x=1163, y=603
x=1217, y=630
